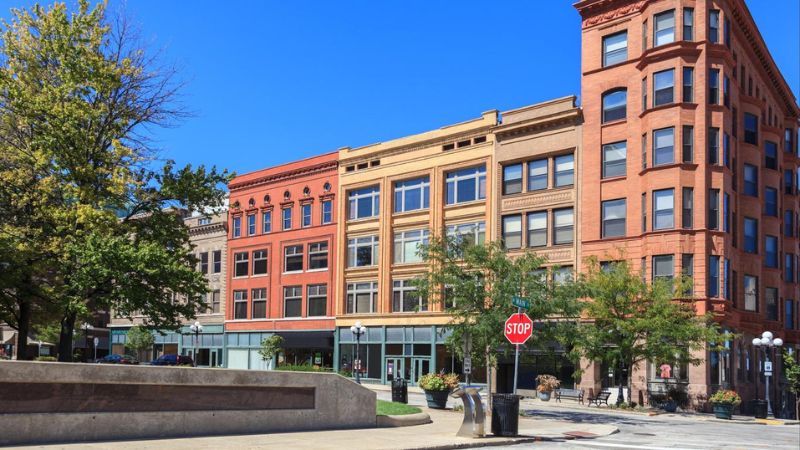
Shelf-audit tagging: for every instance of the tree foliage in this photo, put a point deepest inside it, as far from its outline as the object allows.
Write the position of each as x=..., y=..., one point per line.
x=139, y=339
x=88, y=216
x=270, y=346
x=791, y=369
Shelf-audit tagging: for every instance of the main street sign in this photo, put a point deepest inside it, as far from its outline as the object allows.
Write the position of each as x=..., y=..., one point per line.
x=520, y=302
x=518, y=329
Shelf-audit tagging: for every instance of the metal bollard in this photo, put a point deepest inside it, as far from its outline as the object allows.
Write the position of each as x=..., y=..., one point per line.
x=474, y=416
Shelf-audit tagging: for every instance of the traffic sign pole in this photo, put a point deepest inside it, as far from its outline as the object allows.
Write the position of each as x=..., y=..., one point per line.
x=518, y=329
x=516, y=360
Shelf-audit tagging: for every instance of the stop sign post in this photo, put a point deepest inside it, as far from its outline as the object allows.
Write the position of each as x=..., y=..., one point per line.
x=518, y=329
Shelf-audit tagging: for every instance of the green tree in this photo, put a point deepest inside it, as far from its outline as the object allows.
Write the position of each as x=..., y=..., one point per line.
x=270, y=347
x=476, y=283
x=139, y=339
x=90, y=213
x=791, y=370
x=632, y=321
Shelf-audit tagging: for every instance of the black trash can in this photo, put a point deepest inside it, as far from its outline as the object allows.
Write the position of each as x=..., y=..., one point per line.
x=399, y=390
x=759, y=408
x=505, y=414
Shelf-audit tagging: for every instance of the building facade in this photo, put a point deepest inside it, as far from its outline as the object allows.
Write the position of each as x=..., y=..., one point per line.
x=690, y=167
x=396, y=194
x=208, y=238
x=282, y=235
x=537, y=154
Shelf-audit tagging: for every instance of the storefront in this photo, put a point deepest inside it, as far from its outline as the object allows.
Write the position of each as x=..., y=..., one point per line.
x=205, y=348
x=299, y=348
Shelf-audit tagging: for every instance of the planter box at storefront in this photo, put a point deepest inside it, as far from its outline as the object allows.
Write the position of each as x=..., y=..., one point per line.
x=723, y=410
x=436, y=399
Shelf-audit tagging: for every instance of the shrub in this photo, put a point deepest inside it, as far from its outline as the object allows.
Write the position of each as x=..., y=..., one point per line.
x=45, y=358
x=438, y=382
x=725, y=397
x=301, y=368
x=547, y=383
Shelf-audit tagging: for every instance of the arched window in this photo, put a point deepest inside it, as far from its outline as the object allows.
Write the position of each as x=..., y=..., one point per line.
x=251, y=202
x=306, y=191
x=326, y=187
x=286, y=195
x=266, y=198
x=615, y=105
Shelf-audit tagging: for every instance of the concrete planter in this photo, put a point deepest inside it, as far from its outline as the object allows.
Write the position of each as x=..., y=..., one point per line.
x=723, y=410
x=544, y=396
x=436, y=399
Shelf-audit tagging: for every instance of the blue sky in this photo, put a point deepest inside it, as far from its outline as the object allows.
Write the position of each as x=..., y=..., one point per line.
x=274, y=81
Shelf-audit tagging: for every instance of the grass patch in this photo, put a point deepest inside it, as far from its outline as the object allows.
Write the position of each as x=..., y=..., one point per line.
x=395, y=409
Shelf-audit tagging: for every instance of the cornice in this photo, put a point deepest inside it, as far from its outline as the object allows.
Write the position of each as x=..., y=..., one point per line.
x=538, y=124
x=218, y=227
x=329, y=166
x=596, y=12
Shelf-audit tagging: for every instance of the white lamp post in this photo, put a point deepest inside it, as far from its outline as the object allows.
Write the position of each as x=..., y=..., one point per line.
x=86, y=327
x=768, y=343
x=196, y=329
x=358, y=330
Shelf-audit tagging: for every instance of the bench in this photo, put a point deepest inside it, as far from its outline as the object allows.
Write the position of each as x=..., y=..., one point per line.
x=576, y=394
x=600, y=398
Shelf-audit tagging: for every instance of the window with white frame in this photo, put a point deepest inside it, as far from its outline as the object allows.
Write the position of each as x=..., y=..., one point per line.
x=468, y=233
x=306, y=219
x=663, y=87
x=750, y=293
x=266, y=222
x=615, y=105
x=240, y=304
x=563, y=226
x=412, y=195
x=240, y=264
x=512, y=179
x=259, y=303
x=361, y=297
x=292, y=301
x=663, y=146
x=562, y=275
x=293, y=258
x=405, y=297
x=318, y=256
x=466, y=185
x=407, y=245
x=537, y=229
x=214, y=302
x=287, y=218
x=237, y=227
x=512, y=231
x=251, y=224
x=362, y=251
x=664, y=28
x=663, y=268
x=614, y=159
x=364, y=203
x=317, y=300
x=564, y=170
x=615, y=48
x=537, y=175
x=260, y=262
x=327, y=212
x=614, y=215
x=664, y=209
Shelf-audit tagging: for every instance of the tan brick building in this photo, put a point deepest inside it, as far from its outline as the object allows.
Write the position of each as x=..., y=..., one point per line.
x=690, y=166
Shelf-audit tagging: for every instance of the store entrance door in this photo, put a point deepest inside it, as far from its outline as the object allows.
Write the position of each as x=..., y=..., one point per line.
x=420, y=367
x=393, y=368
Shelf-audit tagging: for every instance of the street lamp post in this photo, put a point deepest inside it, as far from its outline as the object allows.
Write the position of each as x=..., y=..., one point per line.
x=196, y=329
x=86, y=327
x=358, y=330
x=767, y=342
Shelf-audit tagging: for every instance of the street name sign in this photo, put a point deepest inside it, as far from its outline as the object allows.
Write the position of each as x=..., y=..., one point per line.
x=520, y=302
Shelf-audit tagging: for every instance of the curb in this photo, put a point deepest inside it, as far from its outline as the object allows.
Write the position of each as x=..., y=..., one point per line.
x=406, y=420
x=512, y=441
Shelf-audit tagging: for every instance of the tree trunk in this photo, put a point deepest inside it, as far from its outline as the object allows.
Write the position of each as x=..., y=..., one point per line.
x=23, y=329
x=65, y=337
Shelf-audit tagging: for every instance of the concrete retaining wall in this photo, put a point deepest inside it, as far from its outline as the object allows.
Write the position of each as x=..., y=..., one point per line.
x=105, y=402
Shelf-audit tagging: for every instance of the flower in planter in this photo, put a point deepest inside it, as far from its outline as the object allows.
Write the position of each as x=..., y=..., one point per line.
x=725, y=397
x=547, y=383
x=438, y=382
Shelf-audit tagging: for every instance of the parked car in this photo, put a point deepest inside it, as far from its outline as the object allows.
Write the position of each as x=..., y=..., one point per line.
x=173, y=360
x=118, y=359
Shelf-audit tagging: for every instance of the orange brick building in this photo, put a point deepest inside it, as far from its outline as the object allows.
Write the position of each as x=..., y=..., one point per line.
x=690, y=165
x=281, y=270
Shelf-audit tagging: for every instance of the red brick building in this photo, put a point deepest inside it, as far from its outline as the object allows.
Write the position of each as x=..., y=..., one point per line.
x=690, y=165
x=282, y=236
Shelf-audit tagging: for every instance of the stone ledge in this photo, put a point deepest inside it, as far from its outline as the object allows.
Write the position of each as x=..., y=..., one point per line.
x=405, y=420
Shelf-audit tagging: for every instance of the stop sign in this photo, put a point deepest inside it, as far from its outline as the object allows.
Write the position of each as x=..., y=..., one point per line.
x=519, y=328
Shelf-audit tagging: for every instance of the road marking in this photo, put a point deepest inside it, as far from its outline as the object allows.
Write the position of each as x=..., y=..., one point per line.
x=613, y=445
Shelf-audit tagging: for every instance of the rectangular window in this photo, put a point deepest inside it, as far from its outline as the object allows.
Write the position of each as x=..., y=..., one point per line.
x=663, y=87
x=306, y=210
x=237, y=227
x=771, y=201
x=287, y=218
x=713, y=26
x=260, y=262
x=563, y=226
x=687, y=270
x=318, y=256
x=240, y=304
x=266, y=222
x=644, y=35
x=726, y=91
x=688, y=84
x=687, y=206
x=361, y=297
x=512, y=232
x=726, y=212
x=614, y=159
x=317, y=295
x=788, y=182
x=466, y=185
x=688, y=24
x=405, y=298
x=770, y=155
x=644, y=212
x=751, y=128
x=292, y=301
x=771, y=251
x=788, y=141
x=727, y=32
x=537, y=175
x=713, y=276
x=240, y=264
x=662, y=268
x=327, y=212
x=614, y=215
x=362, y=251
x=713, y=209
x=251, y=224
x=788, y=267
x=564, y=170
x=726, y=145
x=615, y=48
x=214, y=302
x=750, y=235
x=644, y=94
x=364, y=203
x=688, y=144
x=663, y=143
x=468, y=233
x=726, y=270
x=412, y=195
x=750, y=180
x=407, y=245
x=293, y=258
x=663, y=209
x=788, y=223
x=713, y=86
x=259, y=303
x=644, y=151
x=713, y=145
x=735, y=123
x=750, y=293
x=537, y=229
x=663, y=28
x=771, y=300
x=512, y=179
x=217, y=261
x=204, y=262
x=562, y=275
x=788, y=311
